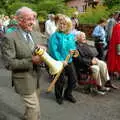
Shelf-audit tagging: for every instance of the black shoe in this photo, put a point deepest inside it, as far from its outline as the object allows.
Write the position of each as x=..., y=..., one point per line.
x=59, y=101
x=70, y=98
x=112, y=86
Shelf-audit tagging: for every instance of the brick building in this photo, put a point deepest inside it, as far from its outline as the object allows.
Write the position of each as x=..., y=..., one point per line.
x=81, y=5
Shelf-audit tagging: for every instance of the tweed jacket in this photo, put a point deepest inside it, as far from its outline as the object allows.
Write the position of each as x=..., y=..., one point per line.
x=18, y=57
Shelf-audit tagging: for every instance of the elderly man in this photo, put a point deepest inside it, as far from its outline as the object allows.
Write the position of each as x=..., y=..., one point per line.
x=87, y=60
x=17, y=50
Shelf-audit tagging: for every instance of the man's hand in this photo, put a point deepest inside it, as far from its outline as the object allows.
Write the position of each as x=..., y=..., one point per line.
x=36, y=59
x=94, y=61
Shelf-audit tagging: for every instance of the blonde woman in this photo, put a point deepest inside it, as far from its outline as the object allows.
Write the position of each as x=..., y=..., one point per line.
x=59, y=46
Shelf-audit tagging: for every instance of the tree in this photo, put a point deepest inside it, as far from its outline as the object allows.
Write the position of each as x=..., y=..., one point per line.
x=67, y=0
x=45, y=7
x=42, y=7
x=4, y=6
x=111, y=3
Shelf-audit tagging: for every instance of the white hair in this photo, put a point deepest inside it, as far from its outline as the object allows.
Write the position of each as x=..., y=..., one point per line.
x=82, y=33
x=24, y=10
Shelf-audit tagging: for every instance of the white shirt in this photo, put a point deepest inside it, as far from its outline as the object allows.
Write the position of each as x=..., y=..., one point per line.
x=50, y=27
x=31, y=40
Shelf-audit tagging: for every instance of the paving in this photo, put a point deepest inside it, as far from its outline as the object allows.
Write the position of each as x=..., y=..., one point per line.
x=88, y=107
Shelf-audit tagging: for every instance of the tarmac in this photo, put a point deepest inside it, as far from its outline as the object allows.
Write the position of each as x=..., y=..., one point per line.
x=88, y=106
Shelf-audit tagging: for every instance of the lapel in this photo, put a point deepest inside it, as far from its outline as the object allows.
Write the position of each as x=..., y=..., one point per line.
x=22, y=40
x=21, y=37
x=34, y=38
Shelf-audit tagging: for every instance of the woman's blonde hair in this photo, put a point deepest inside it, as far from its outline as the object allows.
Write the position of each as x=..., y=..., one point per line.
x=61, y=17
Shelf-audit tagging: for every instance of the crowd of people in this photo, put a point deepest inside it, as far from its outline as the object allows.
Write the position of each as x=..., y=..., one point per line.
x=62, y=37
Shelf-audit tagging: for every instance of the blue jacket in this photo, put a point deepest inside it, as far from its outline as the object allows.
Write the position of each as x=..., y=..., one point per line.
x=60, y=44
x=100, y=32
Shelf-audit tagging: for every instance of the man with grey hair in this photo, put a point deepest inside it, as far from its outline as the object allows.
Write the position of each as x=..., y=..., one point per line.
x=17, y=50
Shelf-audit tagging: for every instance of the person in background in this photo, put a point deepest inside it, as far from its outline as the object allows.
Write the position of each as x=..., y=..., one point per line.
x=12, y=25
x=88, y=61
x=50, y=26
x=2, y=30
x=110, y=24
x=2, y=26
x=60, y=44
x=95, y=3
x=113, y=55
x=6, y=21
x=75, y=22
x=17, y=50
x=99, y=35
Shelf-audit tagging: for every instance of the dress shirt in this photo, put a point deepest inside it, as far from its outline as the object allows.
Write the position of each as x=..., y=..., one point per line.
x=29, y=39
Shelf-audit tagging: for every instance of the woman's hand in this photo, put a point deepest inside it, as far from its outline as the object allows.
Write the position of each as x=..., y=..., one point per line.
x=74, y=53
x=65, y=63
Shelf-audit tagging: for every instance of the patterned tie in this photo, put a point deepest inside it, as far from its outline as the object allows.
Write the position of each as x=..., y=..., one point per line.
x=30, y=41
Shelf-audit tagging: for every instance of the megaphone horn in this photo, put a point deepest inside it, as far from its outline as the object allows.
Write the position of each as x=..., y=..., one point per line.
x=54, y=66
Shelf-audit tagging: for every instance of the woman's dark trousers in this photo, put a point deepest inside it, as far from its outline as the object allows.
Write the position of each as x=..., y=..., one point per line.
x=68, y=71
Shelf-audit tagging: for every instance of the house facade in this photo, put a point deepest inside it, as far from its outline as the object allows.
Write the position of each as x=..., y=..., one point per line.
x=81, y=5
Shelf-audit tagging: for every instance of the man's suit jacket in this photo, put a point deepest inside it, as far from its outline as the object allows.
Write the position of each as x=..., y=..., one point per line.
x=18, y=55
x=86, y=54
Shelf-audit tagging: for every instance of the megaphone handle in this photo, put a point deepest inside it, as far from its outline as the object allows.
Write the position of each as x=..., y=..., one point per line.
x=67, y=58
x=54, y=81
x=57, y=76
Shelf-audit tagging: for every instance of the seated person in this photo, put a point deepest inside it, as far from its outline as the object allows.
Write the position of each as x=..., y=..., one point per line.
x=87, y=60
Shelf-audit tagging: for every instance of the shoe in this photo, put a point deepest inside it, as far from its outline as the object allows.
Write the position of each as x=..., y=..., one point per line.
x=70, y=98
x=59, y=101
x=104, y=89
x=97, y=92
x=100, y=92
x=109, y=84
x=112, y=86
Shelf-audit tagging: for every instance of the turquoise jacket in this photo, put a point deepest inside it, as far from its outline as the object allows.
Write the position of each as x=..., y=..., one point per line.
x=60, y=44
